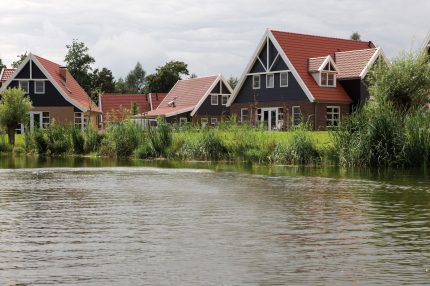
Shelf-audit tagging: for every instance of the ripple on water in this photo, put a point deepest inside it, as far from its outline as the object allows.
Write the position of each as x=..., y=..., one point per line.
x=99, y=226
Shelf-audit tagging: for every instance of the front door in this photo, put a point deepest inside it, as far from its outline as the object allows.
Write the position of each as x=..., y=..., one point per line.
x=35, y=120
x=269, y=118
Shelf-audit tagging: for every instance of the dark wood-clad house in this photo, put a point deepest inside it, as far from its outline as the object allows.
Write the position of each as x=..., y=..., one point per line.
x=54, y=92
x=202, y=99
x=293, y=77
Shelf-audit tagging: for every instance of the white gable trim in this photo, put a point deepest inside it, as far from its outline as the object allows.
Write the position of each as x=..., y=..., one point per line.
x=31, y=58
x=15, y=73
x=372, y=60
x=265, y=39
x=327, y=59
x=248, y=68
x=220, y=79
x=59, y=89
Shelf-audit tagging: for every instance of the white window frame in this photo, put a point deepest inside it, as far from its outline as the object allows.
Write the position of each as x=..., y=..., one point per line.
x=46, y=115
x=293, y=108
x=83, y=120
x=332, y=113
x=214, y=121
x=241, y=114
x=21, y=85
x=212, y=99
x=328, y=74
x=255, y=76
x=272, y=76
x=183, y=120
x=280, y=79
x=224, y=97
x=35, y=89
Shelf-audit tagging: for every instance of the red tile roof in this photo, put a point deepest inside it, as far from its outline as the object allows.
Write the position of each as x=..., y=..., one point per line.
x=186, y=94
x=69, y=86
x=299, y=48
x=350, y=64
x=315, y=63
x=114, y=101
x=5, y=74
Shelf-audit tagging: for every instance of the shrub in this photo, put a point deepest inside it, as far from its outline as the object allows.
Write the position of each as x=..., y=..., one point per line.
x=40, y=141
x=124, y=137
x=77, y=140
x=58, y=139
x=93, y=140
x=144, y=151
x=160, y=137
x=211, y=147
x=417, y=138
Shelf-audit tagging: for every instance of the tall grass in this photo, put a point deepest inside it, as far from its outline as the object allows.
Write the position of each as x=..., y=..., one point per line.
x=121, y=139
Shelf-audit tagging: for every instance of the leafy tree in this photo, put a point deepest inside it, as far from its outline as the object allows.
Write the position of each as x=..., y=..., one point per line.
x=193, y=75
x=14, y=108
x=20, y=59
x=405, y=83
x=2, y=65
x=166, y=76
x=79, y=64
x=120, y=86
x=134, y=108
x=232, y=81
x=135, y=80
x=355, y=36
x=102, y=81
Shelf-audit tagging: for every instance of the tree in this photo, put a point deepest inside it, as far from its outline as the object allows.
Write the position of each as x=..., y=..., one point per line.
x=79, y=64
x=2, y=65
x=405, y=83
x=102, y=81
x=193, y=75
x=166, y=76
x=14, y=109
x=232, y=81
x=135, y=80
x=120, y=86
x=134, y=108
x=20, y=59
x=355, y=36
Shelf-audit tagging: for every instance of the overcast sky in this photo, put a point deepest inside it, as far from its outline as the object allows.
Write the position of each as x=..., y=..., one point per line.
x=211, y=36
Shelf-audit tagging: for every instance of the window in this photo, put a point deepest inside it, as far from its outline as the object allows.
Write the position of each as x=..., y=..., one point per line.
x=256, y=81
x=19, y=129
x=183, y=120
x=24, y=85
x=46, y=119
x=39, y=87
x=80, y=120
x=283, y=78
x=280, y=124
x=327, y=79
x=244, y=115
x=333, y=116
x=214, y=121
x=224, y=99
x=214, y=99
x=270, y=80
x=204, y=121
x=296, y=115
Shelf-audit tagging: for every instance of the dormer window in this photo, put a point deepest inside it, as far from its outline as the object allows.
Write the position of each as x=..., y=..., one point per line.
x=328, y=75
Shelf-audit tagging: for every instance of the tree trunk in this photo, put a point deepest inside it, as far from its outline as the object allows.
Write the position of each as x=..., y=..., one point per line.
x=11, y=134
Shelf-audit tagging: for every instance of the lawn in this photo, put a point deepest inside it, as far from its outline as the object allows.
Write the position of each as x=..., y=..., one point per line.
x=19, y=139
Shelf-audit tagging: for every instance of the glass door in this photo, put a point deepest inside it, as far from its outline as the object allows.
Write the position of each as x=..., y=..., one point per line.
x=269, y=118
x=35, y=120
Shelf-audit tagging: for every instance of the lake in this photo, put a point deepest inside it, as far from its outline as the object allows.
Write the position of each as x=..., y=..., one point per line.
x=99, y=222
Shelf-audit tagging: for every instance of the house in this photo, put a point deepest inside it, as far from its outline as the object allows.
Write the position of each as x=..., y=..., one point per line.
x=54, y=92
x=117, y=106
x=5, y=73
x=293, y=77
x=202, y=100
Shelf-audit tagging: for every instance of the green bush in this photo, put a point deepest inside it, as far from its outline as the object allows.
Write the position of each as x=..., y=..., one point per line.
x=160, y=137
x=144, y=151
x=124, y=137
x=40, y=141
x=58, y=139
x=93, y=140
x=77, y=139
x=211, y=147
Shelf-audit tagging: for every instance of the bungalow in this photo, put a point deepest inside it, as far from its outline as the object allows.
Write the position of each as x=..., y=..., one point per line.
x=202, y=100
x=117, y=106
x=293, y=77
x=54, y=92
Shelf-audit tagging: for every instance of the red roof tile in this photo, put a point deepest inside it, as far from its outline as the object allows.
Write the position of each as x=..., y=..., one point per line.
x=69, y=86
x=186, y=94
x=350, y=64
x=299, y=48
x=114, y=101
x=5, y=74
x=315, y=63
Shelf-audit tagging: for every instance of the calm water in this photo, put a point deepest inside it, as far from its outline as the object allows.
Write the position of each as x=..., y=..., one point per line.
x=102, y=223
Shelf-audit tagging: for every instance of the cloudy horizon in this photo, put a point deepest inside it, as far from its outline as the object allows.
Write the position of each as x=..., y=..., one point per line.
x=211, y=37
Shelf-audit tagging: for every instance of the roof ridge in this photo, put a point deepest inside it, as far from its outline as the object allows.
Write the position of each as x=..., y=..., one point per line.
x=200, y=77
x=350, y=51
x=318, y=36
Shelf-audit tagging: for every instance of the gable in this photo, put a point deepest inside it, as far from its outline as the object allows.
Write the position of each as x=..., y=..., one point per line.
x=36, y=73
x=24, y=73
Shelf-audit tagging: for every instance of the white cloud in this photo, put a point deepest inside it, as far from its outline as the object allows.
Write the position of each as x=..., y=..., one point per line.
x=211, y=36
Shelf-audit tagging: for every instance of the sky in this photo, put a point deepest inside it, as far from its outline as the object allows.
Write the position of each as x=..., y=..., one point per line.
x=212, y=37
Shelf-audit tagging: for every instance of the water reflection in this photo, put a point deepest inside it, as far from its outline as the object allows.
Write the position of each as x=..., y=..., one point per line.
x=210, y=224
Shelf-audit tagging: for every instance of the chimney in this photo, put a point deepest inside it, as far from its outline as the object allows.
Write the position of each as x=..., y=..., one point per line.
x=63, y=72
